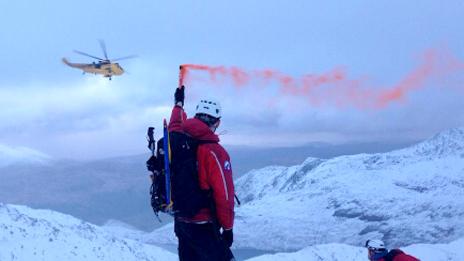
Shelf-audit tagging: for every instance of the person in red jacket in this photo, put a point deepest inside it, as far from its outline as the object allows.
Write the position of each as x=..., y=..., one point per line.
x=376, y=251
x=208, y=235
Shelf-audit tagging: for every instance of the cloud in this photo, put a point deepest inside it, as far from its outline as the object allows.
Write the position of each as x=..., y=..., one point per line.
x=22, y=104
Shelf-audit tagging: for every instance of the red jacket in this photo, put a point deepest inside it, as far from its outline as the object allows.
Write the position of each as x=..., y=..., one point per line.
x=214, y=168
x=401, y=256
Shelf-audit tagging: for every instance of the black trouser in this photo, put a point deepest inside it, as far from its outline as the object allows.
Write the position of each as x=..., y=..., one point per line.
x=200, y=242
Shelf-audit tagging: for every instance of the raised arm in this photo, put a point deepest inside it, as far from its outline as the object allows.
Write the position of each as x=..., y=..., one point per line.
x=178, y=116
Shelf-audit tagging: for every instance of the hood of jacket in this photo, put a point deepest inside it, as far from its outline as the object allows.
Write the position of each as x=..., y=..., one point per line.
x=199, y=130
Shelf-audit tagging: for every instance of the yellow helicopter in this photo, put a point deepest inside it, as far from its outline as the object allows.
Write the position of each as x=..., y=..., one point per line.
x=105, y=67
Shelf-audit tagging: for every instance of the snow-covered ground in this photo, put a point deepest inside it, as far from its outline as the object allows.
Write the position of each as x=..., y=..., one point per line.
x=413, y=195
x=29, y=234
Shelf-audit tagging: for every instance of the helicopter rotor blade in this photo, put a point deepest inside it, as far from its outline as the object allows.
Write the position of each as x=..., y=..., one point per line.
x=86, y=54
x=103, y=47
x=124, y=58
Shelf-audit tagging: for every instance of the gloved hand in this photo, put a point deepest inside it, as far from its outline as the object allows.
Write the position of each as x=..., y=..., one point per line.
x=228, y=237
x=179, y=95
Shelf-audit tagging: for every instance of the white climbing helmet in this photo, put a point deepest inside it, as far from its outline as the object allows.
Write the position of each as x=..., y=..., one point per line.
x=209, y=107
x=375, y=244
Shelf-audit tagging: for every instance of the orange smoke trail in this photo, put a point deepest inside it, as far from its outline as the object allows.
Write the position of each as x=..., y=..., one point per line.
x=334, y=86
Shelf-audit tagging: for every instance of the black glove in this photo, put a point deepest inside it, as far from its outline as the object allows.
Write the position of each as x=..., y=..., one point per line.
x=179, y=95
x=228, y=237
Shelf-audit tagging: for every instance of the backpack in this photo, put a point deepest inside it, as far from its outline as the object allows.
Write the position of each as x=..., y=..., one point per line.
x=186, y=196
x=398, y=253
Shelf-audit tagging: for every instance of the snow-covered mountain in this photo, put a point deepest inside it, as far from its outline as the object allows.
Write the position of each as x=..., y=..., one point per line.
x=21, y=155
x=413, y=195
x=29, y=234
x=403, y=197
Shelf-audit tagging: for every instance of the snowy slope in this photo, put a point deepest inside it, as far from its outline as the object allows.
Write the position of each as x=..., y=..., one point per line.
x=341, y=252
x=23, y=155
x=403, y=197
x=29, y=234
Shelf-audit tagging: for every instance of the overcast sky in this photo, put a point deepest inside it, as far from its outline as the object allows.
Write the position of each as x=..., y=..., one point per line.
x=55, y=109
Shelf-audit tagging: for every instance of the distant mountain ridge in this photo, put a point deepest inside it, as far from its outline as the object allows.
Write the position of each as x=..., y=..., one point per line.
x=21, y=155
